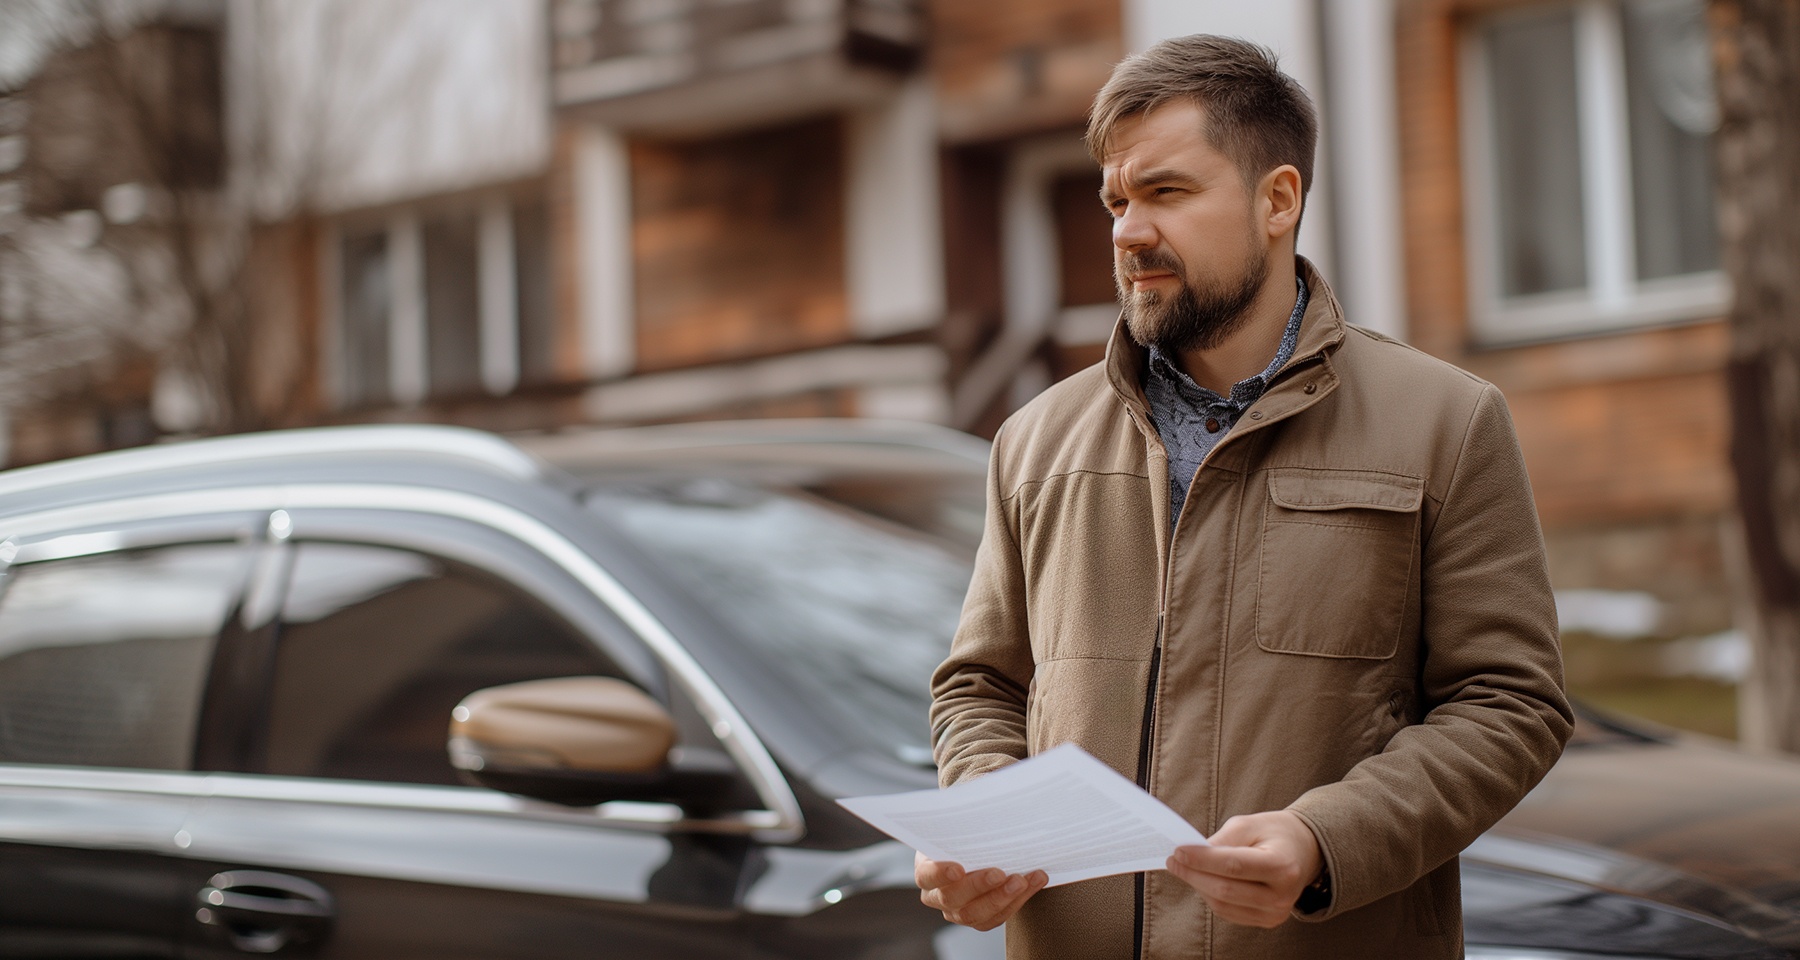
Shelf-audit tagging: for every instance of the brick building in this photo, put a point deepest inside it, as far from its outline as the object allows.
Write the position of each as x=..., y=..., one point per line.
x=679, y=209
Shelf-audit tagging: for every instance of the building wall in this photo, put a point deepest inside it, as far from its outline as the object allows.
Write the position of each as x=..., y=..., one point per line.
x=284, y=311
x=739, y=245
x=1625, y=433
x=349, y=104
x=1005, y=67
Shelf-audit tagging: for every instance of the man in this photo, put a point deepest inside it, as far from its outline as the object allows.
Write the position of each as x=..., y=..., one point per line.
x=1283, y=571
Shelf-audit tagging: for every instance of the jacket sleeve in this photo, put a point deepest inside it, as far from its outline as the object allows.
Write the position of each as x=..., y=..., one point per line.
x=979, y=693
x=1495, y=715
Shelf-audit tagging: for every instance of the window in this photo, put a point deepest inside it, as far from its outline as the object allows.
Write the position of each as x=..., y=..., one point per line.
x=103, y=659
x=537, y=331
x=377, y=645
x=452, y=303
x=1589, y=177
x=366, y=302
x=444, y=302
x=808, y=582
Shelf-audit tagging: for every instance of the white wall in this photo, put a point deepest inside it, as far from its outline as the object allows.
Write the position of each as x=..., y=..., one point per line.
x=604, y=251
x=894, y=262
x=1365, y=137
x=364, y=103
x=1351, y=228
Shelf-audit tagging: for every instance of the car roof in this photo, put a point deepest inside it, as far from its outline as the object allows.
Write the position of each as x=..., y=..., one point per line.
x=441, y=455
x=822, y=444
x=471, y=446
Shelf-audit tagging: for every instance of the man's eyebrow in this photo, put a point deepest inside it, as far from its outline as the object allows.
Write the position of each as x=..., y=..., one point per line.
x=1151, y=178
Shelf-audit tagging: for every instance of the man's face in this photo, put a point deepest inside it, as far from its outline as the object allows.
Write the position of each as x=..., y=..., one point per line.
x=1187, y=255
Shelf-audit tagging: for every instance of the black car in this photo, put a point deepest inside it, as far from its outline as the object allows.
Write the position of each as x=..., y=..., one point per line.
x=230, y=672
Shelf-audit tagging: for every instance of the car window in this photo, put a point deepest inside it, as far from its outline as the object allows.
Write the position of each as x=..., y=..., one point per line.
x=378, y=644
x=103, y=659
x=856, y=609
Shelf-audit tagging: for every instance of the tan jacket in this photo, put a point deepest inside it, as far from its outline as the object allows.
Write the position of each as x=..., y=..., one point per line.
x=1353, y=622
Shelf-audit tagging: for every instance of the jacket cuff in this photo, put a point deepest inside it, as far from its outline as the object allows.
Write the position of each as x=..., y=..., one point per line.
x=1330, y=908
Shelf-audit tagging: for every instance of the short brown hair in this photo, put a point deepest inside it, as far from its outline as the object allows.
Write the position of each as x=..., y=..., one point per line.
x=1256, y=115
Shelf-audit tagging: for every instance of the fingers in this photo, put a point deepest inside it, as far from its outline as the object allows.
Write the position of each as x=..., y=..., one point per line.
x=1239, y=901
x=1253, y=864
x=956, y=894
x=1254, y=869
x=984, y=899
x=995, y=907
x=931, y=874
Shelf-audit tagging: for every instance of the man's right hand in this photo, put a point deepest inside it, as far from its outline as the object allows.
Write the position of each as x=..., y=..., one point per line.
x=984, y=899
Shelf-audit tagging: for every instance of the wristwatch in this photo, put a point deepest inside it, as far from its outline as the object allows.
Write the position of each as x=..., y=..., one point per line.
x=1317, y=895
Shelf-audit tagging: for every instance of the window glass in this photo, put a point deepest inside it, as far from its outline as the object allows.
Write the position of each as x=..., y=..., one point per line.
x=367, y=299
x=856, y=610
x=1673, y=112
x=452, y=303
x=103, y=659
x=1537, y=153
x=531, y=264
x=1083, y=240
x=377, y=645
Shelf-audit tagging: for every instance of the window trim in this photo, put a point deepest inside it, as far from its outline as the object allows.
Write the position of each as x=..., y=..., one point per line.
x=640, y=664
x=1614, y=299
x=409, y=326
x=781, y=822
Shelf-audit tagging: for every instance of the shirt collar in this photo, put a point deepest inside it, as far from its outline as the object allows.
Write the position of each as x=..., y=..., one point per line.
x=1245, y=391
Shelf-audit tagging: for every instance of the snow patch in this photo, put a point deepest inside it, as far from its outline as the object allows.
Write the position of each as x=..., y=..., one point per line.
x=1614, y=614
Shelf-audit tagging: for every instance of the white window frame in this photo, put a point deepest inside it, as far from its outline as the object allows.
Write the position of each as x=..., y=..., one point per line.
x=409, y=329
x=1614, y=298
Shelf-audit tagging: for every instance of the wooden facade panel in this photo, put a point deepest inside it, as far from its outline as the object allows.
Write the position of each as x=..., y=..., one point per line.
x=565, y=259
x=739, y=245
x=1010, y=66
x=285, y=311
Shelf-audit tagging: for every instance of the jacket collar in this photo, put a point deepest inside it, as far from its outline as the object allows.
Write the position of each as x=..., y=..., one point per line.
x=1321, y=330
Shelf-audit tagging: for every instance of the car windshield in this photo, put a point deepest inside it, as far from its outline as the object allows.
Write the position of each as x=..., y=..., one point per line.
x=853, y=586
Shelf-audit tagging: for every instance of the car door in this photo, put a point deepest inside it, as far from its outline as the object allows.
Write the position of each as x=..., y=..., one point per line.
x=107, y=640
x=352, y=836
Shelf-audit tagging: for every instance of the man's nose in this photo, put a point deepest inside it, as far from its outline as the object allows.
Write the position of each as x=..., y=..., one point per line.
x=1133, y=231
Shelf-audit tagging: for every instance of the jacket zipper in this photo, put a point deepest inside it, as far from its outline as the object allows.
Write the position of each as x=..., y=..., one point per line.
x=1145, y=736
x=1146, y=731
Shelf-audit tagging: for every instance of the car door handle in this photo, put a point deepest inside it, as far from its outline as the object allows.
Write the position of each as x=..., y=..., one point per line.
x=261, y=912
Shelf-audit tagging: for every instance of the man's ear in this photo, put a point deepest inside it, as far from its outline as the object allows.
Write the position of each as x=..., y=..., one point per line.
x=1282, y=200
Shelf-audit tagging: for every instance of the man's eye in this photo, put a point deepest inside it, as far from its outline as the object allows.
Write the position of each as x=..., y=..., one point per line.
x=1163, y=191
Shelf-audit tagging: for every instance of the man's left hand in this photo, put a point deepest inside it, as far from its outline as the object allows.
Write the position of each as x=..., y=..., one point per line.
x=1255, y=868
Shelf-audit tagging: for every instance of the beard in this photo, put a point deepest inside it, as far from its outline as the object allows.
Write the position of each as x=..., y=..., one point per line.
x=1196, y=316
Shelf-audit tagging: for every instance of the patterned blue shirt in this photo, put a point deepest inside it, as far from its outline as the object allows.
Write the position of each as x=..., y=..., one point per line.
x=1191, y=419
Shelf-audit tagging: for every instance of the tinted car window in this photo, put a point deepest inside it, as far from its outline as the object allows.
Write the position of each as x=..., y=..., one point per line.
x=857, y=609
x=377, y=645
x=103, y=659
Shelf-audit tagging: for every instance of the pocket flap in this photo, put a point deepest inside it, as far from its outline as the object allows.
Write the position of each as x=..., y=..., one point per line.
x=1312, y=489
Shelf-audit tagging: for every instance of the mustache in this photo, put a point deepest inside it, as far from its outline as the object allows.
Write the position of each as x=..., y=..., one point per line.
x=1150, y=261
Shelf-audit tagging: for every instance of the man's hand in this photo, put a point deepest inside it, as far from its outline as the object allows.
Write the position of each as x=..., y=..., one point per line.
x=984, y=899
x=1255, y=868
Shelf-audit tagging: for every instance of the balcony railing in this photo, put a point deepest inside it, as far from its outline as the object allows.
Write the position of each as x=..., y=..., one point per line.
x=704, y=65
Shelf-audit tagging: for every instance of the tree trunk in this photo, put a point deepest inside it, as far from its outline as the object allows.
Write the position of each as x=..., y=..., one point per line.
x=1757, y=52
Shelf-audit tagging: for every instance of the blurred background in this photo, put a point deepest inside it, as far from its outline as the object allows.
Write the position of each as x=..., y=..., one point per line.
x=522, y=215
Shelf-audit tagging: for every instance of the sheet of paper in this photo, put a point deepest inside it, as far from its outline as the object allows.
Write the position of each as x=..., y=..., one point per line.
x=1062, y=812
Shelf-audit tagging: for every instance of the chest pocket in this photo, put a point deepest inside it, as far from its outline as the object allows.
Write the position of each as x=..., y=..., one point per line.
x=1339, y=560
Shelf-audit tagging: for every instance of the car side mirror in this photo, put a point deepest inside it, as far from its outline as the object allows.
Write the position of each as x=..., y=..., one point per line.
x=576, y=741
